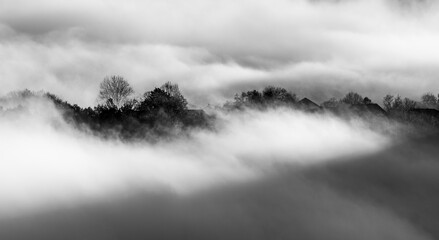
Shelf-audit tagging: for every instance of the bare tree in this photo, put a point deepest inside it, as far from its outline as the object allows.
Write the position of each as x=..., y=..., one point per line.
x=409, y=104
x=388, y=101
x=397, y=103
x=115, y=88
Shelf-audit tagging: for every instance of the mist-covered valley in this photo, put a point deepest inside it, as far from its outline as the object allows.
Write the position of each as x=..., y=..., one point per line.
x=207, y=119
x=272, y=172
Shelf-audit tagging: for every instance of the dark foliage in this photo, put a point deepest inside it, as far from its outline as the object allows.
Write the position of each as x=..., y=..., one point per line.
x=163, y=112
x=367, y=100
x=408, y=111
x=269, y=97
x=159, y=115
x=353, y=98
x=430, y=100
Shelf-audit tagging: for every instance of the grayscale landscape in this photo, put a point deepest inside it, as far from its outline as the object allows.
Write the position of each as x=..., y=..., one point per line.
x=206, y=119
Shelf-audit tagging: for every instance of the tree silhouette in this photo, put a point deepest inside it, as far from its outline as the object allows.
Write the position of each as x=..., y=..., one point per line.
x=174, y=91
x=408, y=104
x=166, y=100
x=397, y=103
x=278, y=95
x=115, y=88
x=430, y=100
x=269, y=97
x=392, y=103
x=353, y=98
x=253, y=97
x=387, y=102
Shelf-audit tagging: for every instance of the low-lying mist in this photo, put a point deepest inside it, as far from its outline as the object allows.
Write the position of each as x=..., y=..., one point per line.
x=46, y=163
x=278, y=173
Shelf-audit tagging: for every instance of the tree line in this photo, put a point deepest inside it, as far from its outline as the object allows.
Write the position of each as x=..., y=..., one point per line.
x=418, y=113
x=163, y=112
x=160, y=113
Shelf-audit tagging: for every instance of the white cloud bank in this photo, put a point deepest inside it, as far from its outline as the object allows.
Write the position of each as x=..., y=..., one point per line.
x=212, y=48
x=44, y=163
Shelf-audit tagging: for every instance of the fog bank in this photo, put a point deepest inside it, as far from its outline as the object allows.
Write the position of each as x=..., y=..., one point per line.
x=46, y=163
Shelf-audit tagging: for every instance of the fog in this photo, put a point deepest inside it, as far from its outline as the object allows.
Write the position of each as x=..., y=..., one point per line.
x=319, y=49
x=279, y=173
x=45, y=162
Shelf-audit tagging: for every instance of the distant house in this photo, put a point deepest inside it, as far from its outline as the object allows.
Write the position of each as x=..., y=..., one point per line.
x=422, y=116
x=426, y=112
x=371, y=108
x=308, y=105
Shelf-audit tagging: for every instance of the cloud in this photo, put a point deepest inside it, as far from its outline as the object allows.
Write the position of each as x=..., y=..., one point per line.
x=260, y=174
x=213, y=47
x=45, y=162
x=230, y=182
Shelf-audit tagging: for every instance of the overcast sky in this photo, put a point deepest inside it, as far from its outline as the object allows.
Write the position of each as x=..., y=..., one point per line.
x=212, y=49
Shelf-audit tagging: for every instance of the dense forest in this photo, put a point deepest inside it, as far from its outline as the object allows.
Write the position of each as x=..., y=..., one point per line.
x=163, y=112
